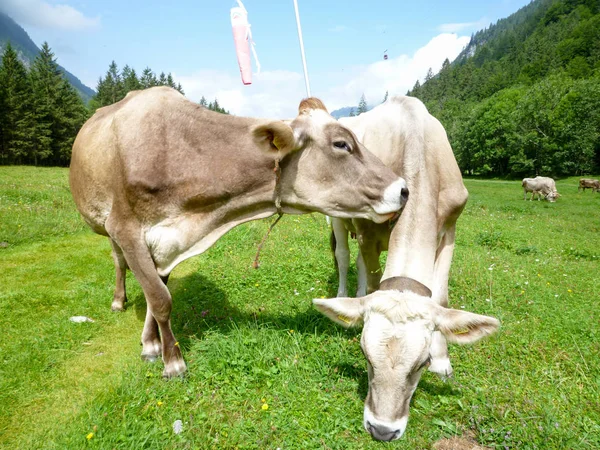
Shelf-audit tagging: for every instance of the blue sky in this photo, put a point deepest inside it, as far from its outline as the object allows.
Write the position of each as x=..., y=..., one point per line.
x=344, y=43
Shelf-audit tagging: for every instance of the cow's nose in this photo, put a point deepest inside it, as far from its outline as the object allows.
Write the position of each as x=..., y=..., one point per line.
x=403, y=196
x=382, y=432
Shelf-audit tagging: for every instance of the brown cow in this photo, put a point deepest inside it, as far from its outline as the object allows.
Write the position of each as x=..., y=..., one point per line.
x=406, y=323
x=588, y=183
x=164, y=178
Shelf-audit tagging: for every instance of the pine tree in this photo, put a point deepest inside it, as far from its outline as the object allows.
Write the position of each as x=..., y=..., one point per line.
x=385, y=97
x=170, y=81
x=59, y=112
x=46, y=80
x=429, y=75
x=362, y=105
x=70, y=116
x=130, y=80
x=214, y=106
x=148, y=79
x=162, y=79
x=203, y=102
x=16, y=118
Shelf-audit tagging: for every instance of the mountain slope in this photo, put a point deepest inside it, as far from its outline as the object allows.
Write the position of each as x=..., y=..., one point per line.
x=523, y=97
x=11, y=32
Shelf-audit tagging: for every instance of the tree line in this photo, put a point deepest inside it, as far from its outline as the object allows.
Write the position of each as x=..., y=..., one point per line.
x=115, y=85
x=524, y=97
x=40, y=112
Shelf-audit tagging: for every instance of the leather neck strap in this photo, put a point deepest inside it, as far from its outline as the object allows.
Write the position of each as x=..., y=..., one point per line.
x=405, y=284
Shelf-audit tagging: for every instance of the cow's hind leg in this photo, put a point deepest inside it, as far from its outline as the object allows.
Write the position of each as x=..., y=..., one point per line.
x=151, y=346
x=120, y=295
x=341, y=253
x=371, y=268
x=158, y=299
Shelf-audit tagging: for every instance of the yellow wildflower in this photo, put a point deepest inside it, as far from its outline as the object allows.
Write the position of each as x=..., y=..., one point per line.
x=265, y=407
x=159, y=403
x=89, y=436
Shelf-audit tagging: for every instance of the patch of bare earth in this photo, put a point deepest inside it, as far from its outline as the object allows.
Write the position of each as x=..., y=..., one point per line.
x=465, y=442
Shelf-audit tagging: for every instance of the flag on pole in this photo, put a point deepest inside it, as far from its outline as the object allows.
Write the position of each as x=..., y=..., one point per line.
x=242, y=37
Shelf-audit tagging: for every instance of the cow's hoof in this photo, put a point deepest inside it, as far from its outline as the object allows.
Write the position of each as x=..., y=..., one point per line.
x=442, y=368
x=149, y=357
x=151, y=351
x=117, y=306
x=174, y=369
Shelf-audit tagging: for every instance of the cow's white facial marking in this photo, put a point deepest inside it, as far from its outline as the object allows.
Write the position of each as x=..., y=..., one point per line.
x=394, y=198
x=396, y=339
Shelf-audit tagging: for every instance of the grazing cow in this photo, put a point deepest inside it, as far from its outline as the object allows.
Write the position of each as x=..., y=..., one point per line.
x=164, y=178
x=406, y=322
x=540, y=186
x=587, y=183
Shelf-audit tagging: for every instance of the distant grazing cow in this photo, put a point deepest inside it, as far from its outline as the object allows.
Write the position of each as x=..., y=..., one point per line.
x=540, y=186
x=163, y=178
x=406, y=323
x=587, y=183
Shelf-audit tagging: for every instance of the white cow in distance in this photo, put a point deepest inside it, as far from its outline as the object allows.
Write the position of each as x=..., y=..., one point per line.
x=406, y=322
x=540, y=186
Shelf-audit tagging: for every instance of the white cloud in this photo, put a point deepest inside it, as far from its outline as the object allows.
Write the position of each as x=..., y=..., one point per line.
x=39, y=13
x=277, y=93
x=272, y=94
x=456, y=27
x=396, y=75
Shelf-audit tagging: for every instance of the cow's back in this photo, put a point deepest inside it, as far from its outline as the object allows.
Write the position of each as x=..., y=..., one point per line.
x=145, y=151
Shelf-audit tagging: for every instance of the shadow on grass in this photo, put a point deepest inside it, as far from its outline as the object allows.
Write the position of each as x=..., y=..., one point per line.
x=200, y=305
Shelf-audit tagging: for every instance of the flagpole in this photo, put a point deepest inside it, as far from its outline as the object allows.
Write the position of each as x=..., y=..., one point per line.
x=302, y=48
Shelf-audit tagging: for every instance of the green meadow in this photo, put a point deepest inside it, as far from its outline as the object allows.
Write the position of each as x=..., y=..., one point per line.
x=266, y=370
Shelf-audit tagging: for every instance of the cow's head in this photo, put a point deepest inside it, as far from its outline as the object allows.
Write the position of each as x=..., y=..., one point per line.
x=396, y=337
x=326, y=169
x=552, y=196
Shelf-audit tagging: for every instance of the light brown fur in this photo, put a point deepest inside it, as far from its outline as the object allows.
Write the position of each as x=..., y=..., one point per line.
x=164, y=178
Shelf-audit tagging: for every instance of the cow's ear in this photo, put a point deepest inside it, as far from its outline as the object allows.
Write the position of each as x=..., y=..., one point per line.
x=346, y=311
x=275, y=137
x=463, y=327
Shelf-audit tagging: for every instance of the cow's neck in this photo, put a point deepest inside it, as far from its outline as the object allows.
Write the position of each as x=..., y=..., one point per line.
x=414, y=239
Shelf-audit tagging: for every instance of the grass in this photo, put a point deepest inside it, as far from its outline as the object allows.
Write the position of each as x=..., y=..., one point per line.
x=251, y=338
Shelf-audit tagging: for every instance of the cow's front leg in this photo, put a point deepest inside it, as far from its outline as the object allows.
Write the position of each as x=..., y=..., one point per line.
x=438, y=351
x=440, y=359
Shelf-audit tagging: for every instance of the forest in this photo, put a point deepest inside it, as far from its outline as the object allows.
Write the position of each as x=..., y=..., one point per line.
x=524, y=97
x=41, y=112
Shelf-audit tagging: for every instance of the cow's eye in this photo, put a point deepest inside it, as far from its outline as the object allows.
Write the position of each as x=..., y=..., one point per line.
x=342, y=145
